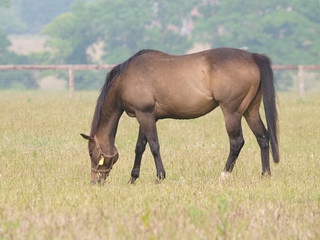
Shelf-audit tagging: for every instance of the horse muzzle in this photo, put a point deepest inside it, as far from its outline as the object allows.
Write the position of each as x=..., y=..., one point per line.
x=99, y=176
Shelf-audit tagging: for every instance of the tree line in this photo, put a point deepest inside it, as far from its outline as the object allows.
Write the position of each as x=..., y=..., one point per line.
x=286, y=30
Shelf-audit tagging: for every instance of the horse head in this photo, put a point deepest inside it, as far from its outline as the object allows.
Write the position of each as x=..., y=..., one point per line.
x=101, y=163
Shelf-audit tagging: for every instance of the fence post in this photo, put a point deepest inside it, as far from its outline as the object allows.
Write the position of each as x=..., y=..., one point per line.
x=71, y=82
x=301, y=82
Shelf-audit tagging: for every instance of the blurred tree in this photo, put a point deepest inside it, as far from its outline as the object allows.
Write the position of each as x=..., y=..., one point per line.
x=8, y=79
x=4, y=44
x=5, y=3
x=124, y=26
x=287, y=30
x=4, y=41
x=30, y=16
x=10, y=22
x=70, y=35
x=36, y=14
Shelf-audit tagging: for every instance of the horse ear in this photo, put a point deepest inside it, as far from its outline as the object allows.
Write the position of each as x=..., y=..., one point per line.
x=86, y=137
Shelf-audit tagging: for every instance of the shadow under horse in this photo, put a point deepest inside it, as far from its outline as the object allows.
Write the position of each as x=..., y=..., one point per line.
x=153, y=85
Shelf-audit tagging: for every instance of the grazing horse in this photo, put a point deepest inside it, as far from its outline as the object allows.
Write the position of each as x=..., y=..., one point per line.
x=153, y=85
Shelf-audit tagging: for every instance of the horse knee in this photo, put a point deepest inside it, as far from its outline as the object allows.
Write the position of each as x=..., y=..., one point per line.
x=263, y=141
x=155, y=148
x=140, y=147
x=236, y=144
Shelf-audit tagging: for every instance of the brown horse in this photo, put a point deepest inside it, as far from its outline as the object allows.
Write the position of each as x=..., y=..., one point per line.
x=153, y=85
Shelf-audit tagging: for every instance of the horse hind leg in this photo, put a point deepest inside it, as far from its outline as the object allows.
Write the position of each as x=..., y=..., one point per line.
x=233, y=126
x=255, y=123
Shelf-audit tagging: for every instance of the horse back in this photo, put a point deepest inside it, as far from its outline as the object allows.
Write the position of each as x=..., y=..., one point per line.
x=188, y=86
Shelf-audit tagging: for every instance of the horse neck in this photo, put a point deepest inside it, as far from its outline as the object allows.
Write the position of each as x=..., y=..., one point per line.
x=107, y=130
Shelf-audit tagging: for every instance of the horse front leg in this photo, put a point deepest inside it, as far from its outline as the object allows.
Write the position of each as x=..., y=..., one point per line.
x=140, y=147
x=148, y=126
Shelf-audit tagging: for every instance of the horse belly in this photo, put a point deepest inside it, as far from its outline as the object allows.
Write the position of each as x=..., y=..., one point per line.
x=186, y=107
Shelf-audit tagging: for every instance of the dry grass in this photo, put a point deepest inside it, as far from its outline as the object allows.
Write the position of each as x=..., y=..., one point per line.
x=45, y=190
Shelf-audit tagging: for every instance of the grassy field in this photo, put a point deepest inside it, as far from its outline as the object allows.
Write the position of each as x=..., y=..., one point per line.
x=45, y=190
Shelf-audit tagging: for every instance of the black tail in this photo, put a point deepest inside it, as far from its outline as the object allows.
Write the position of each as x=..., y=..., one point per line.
x=269, y=101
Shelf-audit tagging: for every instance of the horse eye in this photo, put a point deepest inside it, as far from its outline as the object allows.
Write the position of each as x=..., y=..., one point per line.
x=90, y=154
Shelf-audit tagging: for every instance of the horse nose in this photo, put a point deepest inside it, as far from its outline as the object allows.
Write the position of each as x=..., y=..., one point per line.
x=93, y=182
x=99, y=180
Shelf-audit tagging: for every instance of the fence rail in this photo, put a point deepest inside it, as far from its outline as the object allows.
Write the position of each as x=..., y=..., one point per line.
x=71, y=68
x=55, y=67
x=291, y=67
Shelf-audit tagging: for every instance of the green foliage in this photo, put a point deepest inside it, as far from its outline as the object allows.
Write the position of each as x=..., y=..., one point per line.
x=30, y=16
x=21, y=80
x=124, y=27
x=69, y=40
x=4, y=41
x=36, y=14
x=4, y=44
x=10, y=22
x=18, y=79
x=288, y=31
x=89, y=80
x=5, y=3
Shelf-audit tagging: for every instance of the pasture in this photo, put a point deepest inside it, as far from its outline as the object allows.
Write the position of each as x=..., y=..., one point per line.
x=45, y=190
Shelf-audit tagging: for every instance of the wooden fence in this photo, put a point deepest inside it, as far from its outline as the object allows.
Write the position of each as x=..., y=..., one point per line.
x=300, y=69
x=71, y=68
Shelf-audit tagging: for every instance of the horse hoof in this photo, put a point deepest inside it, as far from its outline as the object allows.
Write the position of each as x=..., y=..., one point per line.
x=158, y=181
x=265, y=175
x=132, y=180
x=224, y=175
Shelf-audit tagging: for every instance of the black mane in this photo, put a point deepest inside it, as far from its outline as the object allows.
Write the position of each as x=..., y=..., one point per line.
x=116, y=71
